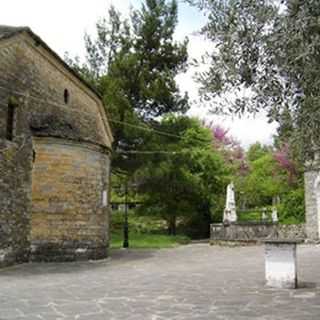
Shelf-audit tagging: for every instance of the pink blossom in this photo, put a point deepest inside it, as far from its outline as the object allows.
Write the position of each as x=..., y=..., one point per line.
x=282, y=156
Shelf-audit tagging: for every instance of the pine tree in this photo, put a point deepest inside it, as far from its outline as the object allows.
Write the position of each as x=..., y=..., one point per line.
x=134, y=64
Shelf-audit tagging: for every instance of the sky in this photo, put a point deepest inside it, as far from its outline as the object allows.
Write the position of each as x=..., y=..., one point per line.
x=62, y=24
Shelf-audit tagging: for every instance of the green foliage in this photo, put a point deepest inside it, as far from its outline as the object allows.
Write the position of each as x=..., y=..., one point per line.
x=257, y=151
x=249, y=216
x=264, y=181
x=187, y=181
x=291, y=209
x=272, y=48
x=145, y=232
x=144, y=224
x=134, y=63
x=113, y=39
x=159, y=59
x=267, y=180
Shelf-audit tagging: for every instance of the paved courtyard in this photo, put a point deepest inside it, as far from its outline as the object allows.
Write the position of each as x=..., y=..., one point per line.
x=189, y=282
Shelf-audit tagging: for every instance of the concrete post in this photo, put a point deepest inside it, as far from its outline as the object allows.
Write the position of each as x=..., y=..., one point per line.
x=281, y=263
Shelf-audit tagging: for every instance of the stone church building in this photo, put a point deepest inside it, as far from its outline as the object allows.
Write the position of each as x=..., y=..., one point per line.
x=55, y=144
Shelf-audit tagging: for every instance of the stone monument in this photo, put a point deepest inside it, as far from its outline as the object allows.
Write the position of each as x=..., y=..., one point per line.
x=230, y=214
x=274, y=215
x=264, y=215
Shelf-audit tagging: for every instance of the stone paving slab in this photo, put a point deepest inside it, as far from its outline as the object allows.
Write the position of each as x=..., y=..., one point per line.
x=197, y=282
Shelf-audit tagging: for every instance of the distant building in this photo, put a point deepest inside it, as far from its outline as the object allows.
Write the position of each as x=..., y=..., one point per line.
x=55, y=144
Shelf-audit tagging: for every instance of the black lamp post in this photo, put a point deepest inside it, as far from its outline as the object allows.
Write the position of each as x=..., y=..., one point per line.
x=124, y=191
x=126, y=224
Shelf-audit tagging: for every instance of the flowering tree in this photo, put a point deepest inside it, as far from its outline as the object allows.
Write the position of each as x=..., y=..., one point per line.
x=283, y=159
x=230, y=148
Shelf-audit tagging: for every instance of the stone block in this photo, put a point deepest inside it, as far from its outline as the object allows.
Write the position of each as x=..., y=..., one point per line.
x=281, y=264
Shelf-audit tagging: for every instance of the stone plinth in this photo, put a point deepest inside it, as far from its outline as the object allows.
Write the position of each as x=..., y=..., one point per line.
x=281, y=263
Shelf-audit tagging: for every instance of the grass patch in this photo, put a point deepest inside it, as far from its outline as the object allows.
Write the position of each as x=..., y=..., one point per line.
x=249, y=216
x=148, y=241
x=145, y=232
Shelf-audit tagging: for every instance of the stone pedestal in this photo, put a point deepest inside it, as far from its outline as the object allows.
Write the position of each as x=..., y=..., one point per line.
x=281, y=263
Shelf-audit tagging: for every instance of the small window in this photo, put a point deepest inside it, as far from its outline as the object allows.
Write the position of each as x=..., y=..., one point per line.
x=11, y=115
x=66, y=96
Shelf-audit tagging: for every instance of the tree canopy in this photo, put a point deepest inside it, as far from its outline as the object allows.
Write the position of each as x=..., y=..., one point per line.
x=271, y=49
x=188, y=179
x=133, y=63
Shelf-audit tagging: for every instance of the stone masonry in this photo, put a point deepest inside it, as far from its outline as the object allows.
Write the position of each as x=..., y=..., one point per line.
x=68, y=184
x=251, y=232
x=312, y=216
x=15, y=201
x=55, y=144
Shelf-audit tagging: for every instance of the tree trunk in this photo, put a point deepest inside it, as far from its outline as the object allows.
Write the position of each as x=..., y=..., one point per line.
x=172, y=226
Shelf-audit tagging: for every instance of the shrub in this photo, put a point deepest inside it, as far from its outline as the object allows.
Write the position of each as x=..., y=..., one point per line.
x=292, y=209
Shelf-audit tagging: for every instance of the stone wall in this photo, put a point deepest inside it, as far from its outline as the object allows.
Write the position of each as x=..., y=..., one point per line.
x=15, y=200
x=255, y=231
x=312, y=219
x=69, y=219
x=292, y=231
x=36, y=81
x=29, y=73
x=15, y=169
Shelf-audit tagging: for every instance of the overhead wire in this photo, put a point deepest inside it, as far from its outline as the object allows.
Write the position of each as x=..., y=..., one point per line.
x=139, y=127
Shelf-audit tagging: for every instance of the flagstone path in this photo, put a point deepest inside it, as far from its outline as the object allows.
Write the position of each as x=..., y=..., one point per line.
x=194, y=282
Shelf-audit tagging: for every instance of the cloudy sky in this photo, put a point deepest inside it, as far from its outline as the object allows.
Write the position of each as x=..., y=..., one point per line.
x=62, y=24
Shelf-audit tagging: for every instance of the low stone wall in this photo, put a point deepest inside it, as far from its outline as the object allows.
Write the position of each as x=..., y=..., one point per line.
x=292, y=231
x=249, y=232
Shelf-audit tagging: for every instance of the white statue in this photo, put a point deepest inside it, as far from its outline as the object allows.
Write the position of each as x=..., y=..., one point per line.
x=230, y=214
x=274, y=214
x=264, y=216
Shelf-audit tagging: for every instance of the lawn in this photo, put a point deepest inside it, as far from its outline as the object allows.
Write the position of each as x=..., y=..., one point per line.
x=145, y=232
x=249, y=216
x=148, y=241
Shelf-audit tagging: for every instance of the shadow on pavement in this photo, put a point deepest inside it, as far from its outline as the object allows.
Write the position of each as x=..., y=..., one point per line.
x=116, y=257
x=307, y=285
x=131, y=254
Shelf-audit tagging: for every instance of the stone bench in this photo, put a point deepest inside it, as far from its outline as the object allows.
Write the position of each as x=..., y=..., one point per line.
x=281, y=263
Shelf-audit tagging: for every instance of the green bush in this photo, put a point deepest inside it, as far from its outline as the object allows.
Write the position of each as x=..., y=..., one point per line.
x=292, y=209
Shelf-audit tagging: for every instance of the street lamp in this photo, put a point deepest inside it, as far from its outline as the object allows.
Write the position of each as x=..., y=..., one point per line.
x=124, y=191
x=126, y=223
